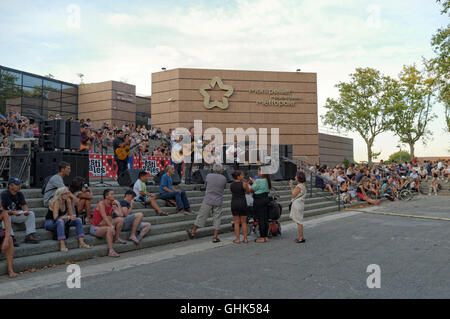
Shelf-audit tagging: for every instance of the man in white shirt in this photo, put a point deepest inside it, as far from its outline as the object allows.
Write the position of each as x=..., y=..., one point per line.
x=234, y=152
x=140, y=189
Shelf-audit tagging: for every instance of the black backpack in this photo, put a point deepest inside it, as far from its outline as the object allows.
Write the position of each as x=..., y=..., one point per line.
x=44, y=184
x=274, y=210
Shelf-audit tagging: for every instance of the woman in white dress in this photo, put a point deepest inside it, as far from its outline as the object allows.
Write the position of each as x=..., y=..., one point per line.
x=298, y=204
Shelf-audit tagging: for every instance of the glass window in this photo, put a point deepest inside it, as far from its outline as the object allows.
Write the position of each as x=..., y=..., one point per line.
x=32, y=81
x=70, y=99
x=11, y=77
x=66, y=116
x=10, y=90
x=52, y=106
x=52, y=85
x=69, y=108
x=52, y=95
x=32, y=92
x=31, y=102
x=69, y=89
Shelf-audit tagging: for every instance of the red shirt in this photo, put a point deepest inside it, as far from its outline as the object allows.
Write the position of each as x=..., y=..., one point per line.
x=97, y=217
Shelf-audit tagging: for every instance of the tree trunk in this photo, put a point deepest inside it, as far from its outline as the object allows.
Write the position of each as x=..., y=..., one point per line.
x=369, y=153
x=411, y=150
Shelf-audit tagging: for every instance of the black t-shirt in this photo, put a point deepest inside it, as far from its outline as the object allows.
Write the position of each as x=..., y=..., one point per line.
x=123, y=203
x=12, y=202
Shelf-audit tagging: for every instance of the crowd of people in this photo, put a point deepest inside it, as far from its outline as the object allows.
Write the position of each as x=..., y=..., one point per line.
x=16, y=125
x=371, y=183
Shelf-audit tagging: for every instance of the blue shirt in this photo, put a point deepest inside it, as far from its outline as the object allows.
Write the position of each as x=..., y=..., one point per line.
x=165, y=181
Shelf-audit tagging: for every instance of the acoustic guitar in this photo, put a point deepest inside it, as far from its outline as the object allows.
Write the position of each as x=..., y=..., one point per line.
x=86, y=146
x=123, y=152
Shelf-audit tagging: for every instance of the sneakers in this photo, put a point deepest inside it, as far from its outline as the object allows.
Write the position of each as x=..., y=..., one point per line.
x=30, y=239
x=15, y=243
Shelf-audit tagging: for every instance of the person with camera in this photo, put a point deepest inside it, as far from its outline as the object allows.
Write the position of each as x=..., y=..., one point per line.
x=83, y=197
x=298, y=204
x=102, y=223
x=59, y=214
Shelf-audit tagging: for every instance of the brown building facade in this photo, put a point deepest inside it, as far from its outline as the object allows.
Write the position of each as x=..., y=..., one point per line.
x=110, y=101
x=241, y=99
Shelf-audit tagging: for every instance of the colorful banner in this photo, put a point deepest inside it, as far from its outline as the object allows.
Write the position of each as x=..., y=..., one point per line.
x=151, y=164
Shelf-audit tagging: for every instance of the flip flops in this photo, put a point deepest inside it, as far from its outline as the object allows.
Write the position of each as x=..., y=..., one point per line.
x=163, y=214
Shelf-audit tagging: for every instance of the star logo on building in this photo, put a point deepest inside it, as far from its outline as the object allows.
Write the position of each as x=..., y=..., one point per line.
x=207, y=98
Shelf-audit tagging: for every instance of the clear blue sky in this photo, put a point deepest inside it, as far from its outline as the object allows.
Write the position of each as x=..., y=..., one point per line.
x=128, y=40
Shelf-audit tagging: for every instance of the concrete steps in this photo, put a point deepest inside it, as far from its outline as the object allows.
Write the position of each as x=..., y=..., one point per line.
x=165, y=229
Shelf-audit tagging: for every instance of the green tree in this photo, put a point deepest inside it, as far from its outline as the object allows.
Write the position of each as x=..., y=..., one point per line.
x=411, y=107
x=362, y=106
x=8, y=89
x=400, y=156
x=439, y=65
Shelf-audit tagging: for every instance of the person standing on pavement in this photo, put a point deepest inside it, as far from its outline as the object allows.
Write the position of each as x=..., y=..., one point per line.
x=239, y=209
x=260, y=189
x=212, y=203
x=298, y=204
x=14, y=202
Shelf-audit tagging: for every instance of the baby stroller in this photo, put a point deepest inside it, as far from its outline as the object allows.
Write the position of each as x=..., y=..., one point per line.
x=274, y=213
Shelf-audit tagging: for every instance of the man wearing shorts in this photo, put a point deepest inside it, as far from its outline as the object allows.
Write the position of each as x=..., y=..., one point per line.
x=212, y=202
x=132, y=222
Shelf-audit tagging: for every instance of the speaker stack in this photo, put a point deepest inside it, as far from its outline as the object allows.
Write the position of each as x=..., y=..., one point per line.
x=46, y=164
x=128, y=177
x=199, y=176
x=59, y=134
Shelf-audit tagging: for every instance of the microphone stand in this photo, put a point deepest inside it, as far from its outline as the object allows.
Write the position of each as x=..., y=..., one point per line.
x=101, y=183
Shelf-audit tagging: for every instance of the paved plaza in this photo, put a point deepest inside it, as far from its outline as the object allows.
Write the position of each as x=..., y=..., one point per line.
x=413, y=255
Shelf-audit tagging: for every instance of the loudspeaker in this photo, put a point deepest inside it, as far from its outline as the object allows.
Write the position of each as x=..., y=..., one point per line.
x=227, y=174
x=290, y=170
x=278, y=176
x=157, y=178
x=73, y=135
x=46, y=164
x=128, y=177
x=199, y=176
x=176, y=179
x=53, y=134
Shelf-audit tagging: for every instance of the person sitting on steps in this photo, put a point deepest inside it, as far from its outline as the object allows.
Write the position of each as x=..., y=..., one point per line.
x=59, y=213
x=140, y=189
x=166, y=191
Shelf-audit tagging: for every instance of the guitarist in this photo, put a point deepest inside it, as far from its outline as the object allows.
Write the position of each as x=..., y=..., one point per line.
x=120, y=141
x=85, y=139
x=188, y=166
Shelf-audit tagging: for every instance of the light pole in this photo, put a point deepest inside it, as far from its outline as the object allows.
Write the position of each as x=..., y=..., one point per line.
x=400, y=147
